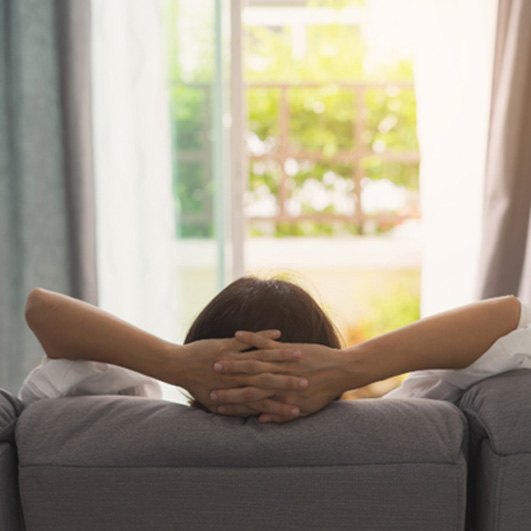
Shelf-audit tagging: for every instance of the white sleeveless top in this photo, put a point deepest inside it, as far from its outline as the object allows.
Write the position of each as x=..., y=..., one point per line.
x=57, y=378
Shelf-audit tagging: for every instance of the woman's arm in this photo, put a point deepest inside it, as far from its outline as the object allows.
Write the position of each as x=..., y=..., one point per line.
x=72, y=329
x=450, y=340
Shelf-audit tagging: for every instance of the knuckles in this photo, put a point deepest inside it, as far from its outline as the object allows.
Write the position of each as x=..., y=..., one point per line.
x=252, y=366
x=248, y=394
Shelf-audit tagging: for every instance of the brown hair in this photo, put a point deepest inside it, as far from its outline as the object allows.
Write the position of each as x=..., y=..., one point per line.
x=253, y=304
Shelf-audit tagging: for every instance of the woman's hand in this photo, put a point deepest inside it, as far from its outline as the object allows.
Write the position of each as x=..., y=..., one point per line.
x=72, y=329
x=329, y=372
x=196, y=367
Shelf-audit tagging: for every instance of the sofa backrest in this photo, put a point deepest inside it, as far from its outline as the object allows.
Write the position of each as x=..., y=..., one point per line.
x=110, y=463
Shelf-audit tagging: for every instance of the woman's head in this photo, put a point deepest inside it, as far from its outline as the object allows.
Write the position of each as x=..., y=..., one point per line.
x=253, y=304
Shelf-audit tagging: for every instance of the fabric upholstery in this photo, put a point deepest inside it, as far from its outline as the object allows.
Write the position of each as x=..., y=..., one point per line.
x=499, y=415
x=10, y=511
x=10, y=408
x=132, y=463
x=167, y=434
x=412, y=497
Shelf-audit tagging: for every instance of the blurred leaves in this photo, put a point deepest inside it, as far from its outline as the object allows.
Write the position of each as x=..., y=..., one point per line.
x=391, y=303
x=304, y=124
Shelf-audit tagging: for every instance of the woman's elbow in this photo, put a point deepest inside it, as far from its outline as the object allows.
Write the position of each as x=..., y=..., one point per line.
x=35, y=300
x=511, y=308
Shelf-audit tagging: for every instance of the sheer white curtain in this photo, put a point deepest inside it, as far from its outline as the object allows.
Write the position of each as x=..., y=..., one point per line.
x=136, y=266
x=453, y=78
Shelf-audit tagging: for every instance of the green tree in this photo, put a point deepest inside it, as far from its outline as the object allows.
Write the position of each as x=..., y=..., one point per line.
x=321, y=123
x=322, y=119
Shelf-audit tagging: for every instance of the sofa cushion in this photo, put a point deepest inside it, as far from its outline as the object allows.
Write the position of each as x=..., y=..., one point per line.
x=79, y=431
x=501, y=408
x=112, y=463
x=10, y=408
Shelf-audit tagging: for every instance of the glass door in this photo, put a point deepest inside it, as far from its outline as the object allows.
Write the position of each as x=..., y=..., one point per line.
x=200, y=81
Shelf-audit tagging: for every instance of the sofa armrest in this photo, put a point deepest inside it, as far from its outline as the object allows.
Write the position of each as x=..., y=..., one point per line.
x=499, y=415
x=10, y=510
x=10, y=409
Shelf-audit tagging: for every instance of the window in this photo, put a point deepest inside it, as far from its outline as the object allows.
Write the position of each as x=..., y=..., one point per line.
x=333, y=196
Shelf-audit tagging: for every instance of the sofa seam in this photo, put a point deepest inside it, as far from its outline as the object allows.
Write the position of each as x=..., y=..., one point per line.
x=462, y=476
x=113, y=467
x=499, y=480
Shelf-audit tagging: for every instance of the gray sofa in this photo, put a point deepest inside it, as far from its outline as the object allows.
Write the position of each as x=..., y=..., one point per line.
x=110, y=463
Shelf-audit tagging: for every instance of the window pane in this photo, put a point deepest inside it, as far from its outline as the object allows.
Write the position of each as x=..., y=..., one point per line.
x=197, y=62
x=404, y=174
x=321, y=119
x=263, y=118
x=391, y=120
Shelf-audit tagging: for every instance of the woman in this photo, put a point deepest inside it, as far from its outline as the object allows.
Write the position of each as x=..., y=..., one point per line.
x=279, y=381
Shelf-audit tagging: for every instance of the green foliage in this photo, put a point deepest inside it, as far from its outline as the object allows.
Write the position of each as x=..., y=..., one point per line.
x=334, y=52
x=190, y=97
x=186, y=116
x=265, y=177
x=322, y=121
x=393, y=303
x=263, y=106
x=391, y=120
x=402, y=173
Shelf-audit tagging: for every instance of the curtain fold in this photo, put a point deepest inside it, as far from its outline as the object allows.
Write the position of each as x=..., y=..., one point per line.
x=73, y=31
x=453, y=56
x=137, y=262
x=46, y=210
x=505, y=260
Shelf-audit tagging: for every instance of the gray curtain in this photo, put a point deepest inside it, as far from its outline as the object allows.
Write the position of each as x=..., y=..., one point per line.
x=47, y=224
x=505, y=266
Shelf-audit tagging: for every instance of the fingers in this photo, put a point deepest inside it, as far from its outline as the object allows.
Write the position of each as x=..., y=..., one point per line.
x=271, y=334
x=278, y=419
x=258, y=361
x=256, y=339
x=235, y=410
x=272, y=409
x=266, y=382
x=277, y=382
x=274, y=355
x=257, y=388
x=265, y=337
x=240, y=395
x=263, y=386
x=276, y=409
